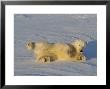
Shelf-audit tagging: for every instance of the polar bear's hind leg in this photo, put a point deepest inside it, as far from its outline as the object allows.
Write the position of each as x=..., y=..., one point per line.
x=47, y=59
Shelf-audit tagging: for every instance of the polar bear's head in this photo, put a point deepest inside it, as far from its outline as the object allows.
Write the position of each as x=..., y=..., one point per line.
x=30, y=45
x=79, y=45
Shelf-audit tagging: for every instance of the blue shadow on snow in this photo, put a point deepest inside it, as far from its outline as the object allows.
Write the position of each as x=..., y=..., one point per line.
x=91, y=50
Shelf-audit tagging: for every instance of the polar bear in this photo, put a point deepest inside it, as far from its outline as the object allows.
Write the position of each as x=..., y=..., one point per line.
x=47, y=52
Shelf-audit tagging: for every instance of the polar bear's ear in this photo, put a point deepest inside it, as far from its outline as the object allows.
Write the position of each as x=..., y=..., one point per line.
x=79, y=43
x=75, y=41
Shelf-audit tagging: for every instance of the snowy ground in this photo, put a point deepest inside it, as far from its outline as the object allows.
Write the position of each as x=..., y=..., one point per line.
x=54, y=28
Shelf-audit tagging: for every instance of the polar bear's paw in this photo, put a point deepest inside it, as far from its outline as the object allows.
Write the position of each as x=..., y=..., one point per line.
x=44, y=59
x=47, y=59
x=82, y=58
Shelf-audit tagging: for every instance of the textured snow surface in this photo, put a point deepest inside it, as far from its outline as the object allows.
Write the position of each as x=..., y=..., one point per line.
x=54, y=28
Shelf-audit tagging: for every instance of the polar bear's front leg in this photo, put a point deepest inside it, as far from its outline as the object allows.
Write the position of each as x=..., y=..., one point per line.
x=82, y=58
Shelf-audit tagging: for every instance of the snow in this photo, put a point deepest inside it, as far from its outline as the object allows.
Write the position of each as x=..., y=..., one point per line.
x=54, y=28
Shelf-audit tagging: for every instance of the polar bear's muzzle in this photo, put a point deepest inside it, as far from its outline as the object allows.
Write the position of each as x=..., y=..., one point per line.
x=81, y=51
x=83, y=47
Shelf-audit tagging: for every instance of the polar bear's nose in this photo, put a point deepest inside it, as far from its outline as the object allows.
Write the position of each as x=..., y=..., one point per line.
x=81, y=51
